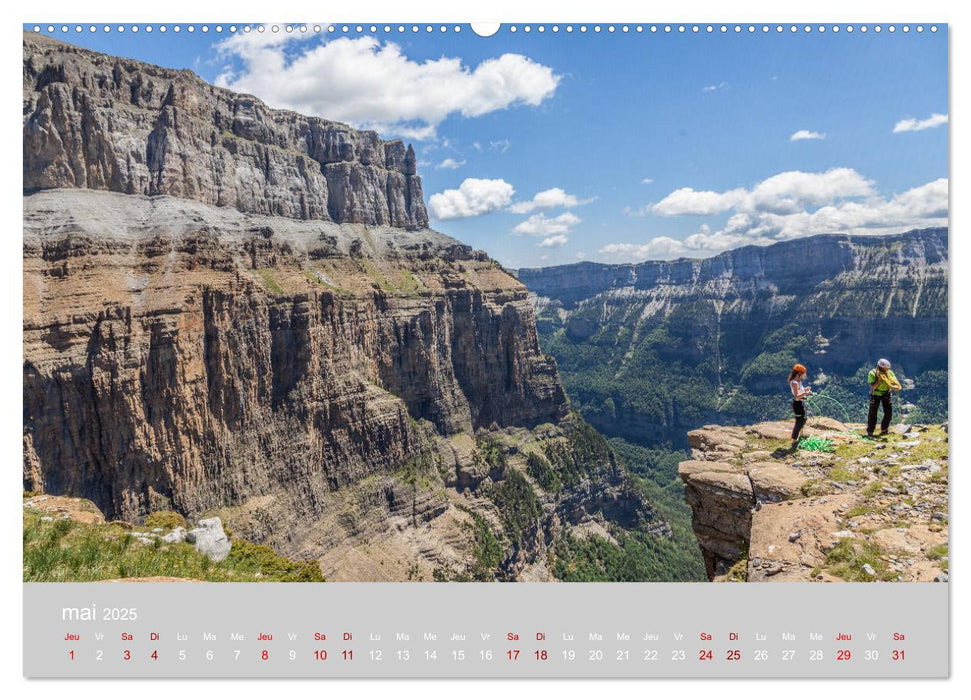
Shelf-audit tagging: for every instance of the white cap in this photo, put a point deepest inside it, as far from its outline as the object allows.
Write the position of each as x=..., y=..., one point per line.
x=884, y=363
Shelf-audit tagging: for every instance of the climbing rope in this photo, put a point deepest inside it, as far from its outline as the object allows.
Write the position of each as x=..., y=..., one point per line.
x=812, y=398
x=900, y=412
x=817, y=444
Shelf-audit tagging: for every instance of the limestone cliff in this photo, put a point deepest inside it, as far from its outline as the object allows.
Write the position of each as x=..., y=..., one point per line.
x=859, y=510
x=100, y=122
x=235, y=311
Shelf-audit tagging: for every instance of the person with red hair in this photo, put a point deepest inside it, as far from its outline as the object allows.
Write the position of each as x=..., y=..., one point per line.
x=799, y=392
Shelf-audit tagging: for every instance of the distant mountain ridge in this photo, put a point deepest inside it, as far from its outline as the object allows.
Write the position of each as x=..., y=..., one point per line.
x=824, y=254
x=652, y=349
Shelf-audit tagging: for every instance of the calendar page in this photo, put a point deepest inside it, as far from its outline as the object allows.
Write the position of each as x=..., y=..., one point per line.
x=485, y=351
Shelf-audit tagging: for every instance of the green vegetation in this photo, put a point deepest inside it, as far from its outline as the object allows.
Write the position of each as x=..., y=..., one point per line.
x=847, y=559
x=518, y=506
x=939, y=553
x=492, y=451
x=269, y=280
x=64, y=550
x=165, y=519
x=486, y=551
x=738, y=572
x=841, y=475
x=636, y=556
x=649, y=378
x=540, y=469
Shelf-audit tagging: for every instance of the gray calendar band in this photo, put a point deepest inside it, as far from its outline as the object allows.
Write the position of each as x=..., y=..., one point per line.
x=406, y=630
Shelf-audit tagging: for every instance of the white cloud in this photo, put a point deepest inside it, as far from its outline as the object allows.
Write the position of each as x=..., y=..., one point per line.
x=647, y=181
x=502, y=145
x=542, y=225
x=374, y=85
x=549, y=199
x=923, y=206
x=556, y=241
x=450, y=164
x=806, y=135
x=783, y=193
x=474, y=197
x=639, y=212
x=711, y=88
x=933, y=121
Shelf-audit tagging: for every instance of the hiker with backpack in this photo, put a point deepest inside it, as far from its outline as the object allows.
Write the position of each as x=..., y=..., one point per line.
x=882, y=383
x=799, y=392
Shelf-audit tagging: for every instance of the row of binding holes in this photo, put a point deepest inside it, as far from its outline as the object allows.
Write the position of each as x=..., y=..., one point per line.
x=569, y=29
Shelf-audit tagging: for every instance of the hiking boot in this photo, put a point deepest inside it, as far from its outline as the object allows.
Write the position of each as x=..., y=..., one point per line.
x=884, y=432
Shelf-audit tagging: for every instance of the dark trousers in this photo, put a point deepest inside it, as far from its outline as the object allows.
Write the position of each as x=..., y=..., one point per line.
x=798, y=408
x=877, y=400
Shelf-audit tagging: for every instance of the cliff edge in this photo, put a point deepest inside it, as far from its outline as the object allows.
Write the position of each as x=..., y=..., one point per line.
x=849, y=510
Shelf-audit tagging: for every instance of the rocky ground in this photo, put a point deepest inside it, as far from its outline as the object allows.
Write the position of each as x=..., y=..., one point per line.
x=860, y=510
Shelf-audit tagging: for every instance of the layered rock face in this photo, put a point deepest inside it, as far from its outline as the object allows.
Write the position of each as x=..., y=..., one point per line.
x=677, y=344
x=214, y=336
x=858, y=511
x=99, y=122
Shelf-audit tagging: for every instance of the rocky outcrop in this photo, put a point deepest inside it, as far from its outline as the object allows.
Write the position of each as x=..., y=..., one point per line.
x=858, y=510
x=209, y=539
x=100, y=122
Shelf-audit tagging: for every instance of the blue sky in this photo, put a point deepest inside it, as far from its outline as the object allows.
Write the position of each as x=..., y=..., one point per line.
x=646, y=144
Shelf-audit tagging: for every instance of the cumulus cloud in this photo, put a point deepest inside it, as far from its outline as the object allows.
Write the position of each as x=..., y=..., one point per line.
x=806, y=135
x=474, y=197
x=786, y=192
x=769, y=217
x=932, y=122
x=542, y=225
x=647, y=181
x=548, y=199
x=374, y=85
x=556, y=241
x=450, y=164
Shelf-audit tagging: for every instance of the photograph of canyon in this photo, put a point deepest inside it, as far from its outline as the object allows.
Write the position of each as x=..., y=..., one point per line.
x=366, y=304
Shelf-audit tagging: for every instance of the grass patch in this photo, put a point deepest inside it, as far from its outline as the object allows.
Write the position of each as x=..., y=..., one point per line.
x=863, y=509
x=938, y=551
x=64, y=550
x=165, y=519
x=849, y=556
x=269, y=280
x=814, y=487
x=873, y=489
x=738, y=573
x=841, y=475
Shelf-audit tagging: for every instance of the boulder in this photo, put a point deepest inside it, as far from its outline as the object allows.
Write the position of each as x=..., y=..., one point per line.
x=825, y=423
x=210, y=539
x=177, y=535
x=772, y=482
x=716, y=438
